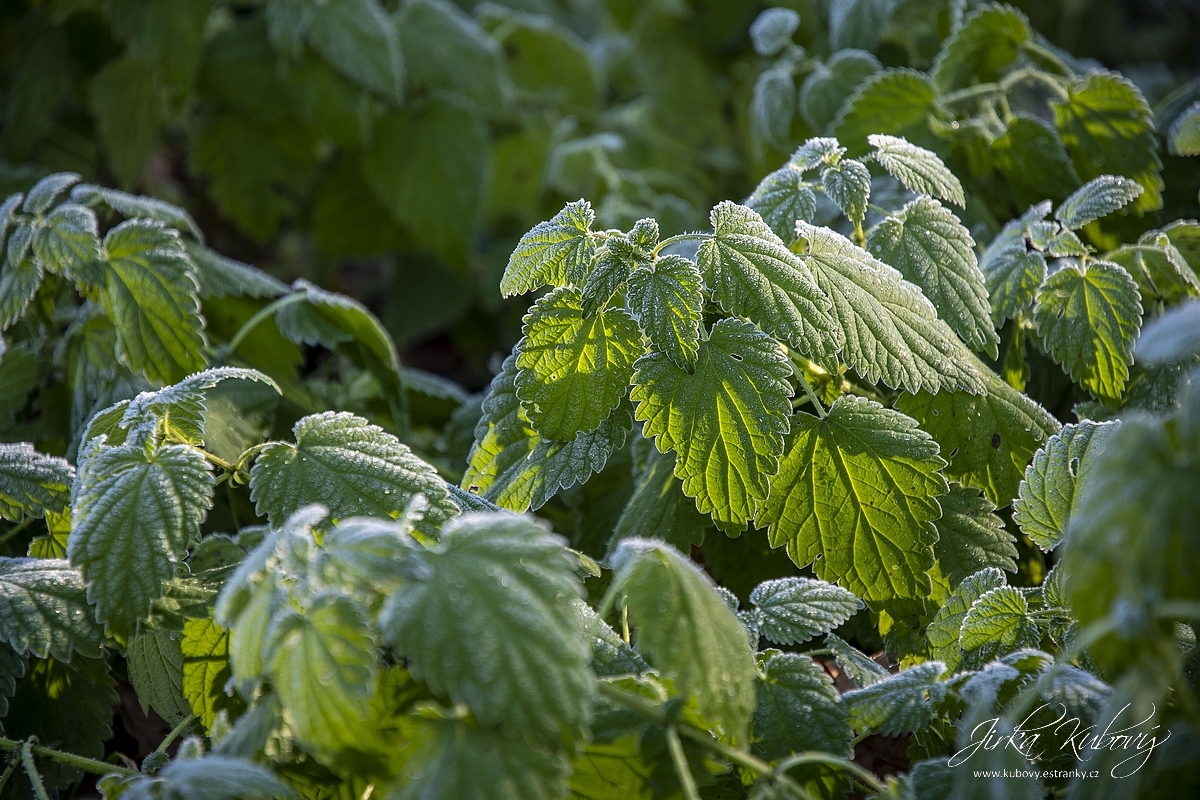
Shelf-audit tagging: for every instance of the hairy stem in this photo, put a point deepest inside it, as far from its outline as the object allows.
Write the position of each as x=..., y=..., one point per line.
x=35, y=778
x=832, y=761
x=14, y=761
x=1049, y=57
x=67, y=759
x=681, y=237
x=15, y=530
x=175, y=733
x=686, y=780
x=812, y=396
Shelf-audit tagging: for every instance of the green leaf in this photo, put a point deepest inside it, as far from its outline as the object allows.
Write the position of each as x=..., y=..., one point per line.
x=363, y=554
x=461, y=762
x=132, y=205
x=1012, y=275
x=12, y=669
x=1183, y=139
x=548, y=60
x=865, y=670
x=45, y=611
x=895, y=102
x=1088, y=318
x=725, y=421
x=848, y=183
x=794, y=610
x=213, y=777
x=658, y=507
x=166, y=35
x=515, y=468
x=828, y=86
x=751, y=273
x=943, y=632
x=67, y=243
x=1108, y=128
x=998, y=623
x=989, y=438
x=32, y=483
x=667, y=300
x=892, y=332
x=1055, y=478
x=572, y=371
x=857, y=490
x=429, y=167
x=614, y=262
x=43, y=193
x=920, y=170
x=815, y=152
x=205, y=671
x=357, y=37
x=18, y=285
x=179, y=411
x=971, y=536
x=150, y=294
x=791, y=688
x=219, y=276
x=612, y=771
x=773, y=105
x=781, y=198
x=687, y=632
x=155, y=665
x=323, y=663
x=129, y=106
x=353, y=467
x=858, y=23
x=982, y=48
x=932, y=249
x=772, y=30
x=446, y=49
x=901, y=704
x=556, y=252
x=1097, y=198
x=1172, y=337
x=611, y=655
x=135, y=509
x=1031, y=154
x=497, y=591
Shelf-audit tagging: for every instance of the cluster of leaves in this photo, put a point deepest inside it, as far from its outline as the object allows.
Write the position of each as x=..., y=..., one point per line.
x=228, y=491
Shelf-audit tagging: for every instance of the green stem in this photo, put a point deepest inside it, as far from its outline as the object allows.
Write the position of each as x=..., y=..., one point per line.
x=175, y=733
x=264, y=312
x=1047, y=55
x=681, y=237
x=68, y=759
x=14, y=761
x=978, y=90
x=15, y=530
x=812, y=396
x=832, y=761
x=686, y=779
x=860, y=238
x=35, y=778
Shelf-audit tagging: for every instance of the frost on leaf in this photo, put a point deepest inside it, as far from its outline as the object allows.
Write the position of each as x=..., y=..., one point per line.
x=572, y=370
x=32, y=483
x=1097, y=198
x=44, y=610
x=943, y=632
x=891, y=331
x=497, y=591
x=556, y=252
x=1088, y=318
x=725, y=420
x=901, y=704
x=920, y=170
x=751, y=273
x=971, y=536
x=181, y=408
x=782, y=198
x=353, y=467
x=667, y=301
x=848, y=183
x=881, y=548
x=794, y=687
x=998, y=623
x=1056, y=476
x=513, y=466
x=932, y=249
x=687, y=632
x=794, y=610
x=135, y=510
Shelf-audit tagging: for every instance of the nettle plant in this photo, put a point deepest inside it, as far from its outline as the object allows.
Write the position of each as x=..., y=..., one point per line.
x=331, y=618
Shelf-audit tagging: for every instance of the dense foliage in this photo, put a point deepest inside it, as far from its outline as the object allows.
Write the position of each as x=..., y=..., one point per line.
x=800, y=472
